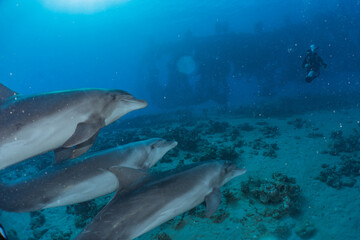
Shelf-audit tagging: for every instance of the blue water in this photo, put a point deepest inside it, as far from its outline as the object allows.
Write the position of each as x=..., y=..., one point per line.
x=232, y=61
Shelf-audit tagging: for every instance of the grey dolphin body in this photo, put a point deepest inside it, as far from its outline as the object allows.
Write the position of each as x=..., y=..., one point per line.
x=67, y=121
x=157, y=200
x=95, y=176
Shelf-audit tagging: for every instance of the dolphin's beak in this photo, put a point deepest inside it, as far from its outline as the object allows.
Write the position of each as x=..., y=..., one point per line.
x=163, y=146
x=139, y=103
x=232, y=171
x=235, y=170
x=166, y=144
x=239, y=171
x=172, y=144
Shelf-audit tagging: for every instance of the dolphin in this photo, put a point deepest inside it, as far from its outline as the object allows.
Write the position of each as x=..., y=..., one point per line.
x=96, y=175
x=65, y=121
x=160, y=198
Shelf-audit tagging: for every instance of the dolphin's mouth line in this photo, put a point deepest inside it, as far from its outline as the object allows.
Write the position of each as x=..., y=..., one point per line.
x=170, y=144
x=134, y=100
x=240, y=171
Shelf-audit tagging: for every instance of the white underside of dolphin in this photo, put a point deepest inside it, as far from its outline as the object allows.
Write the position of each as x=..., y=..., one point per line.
x=40, y=137
x=94, y=187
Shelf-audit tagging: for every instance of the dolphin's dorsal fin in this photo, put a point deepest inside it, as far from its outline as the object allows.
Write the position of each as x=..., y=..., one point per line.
x=5, y=93
x=127, y=176
x=212, y=202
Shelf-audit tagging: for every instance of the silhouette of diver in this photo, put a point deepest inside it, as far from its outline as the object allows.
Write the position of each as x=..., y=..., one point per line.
x=312, y=62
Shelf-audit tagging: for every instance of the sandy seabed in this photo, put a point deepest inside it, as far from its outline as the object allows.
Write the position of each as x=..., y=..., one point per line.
x=298, y=146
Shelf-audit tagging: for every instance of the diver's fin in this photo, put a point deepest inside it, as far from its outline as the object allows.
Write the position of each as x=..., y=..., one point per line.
x=212, y=202
x=309, y=79
x=5, y=93
x=127, y=176
x=84, y=131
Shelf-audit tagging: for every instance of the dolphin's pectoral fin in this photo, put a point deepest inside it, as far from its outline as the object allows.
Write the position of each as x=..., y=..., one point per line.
x=5, y=93
x=84, y=147
x=62, y=154
x=212, y=202
x=84, y=131
x=127, y=176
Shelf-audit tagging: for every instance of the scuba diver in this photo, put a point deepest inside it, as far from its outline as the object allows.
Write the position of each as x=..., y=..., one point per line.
x=312, y=62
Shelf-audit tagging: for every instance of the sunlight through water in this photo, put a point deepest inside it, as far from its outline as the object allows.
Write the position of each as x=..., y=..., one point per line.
x=81, y=6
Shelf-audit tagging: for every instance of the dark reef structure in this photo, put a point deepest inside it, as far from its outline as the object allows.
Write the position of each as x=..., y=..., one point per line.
x=344, y=144
x=330, y=176
x=246, y=127
x=305, y=230
x=231, y=197
x=84, y=212
x=343, y=175
x=283, y=231
x=59, y=235
x=299, y=123
x=188, y=139
x=210, y=154
x=37, y=221
x=214, y=152
x=269, y=149
x=281, y=195
x=270, y=131
x=228, y=153
x=315, y=135
x=169, y=157
x=114, y=137
x=161, y=236
x=217, y=127
x=235, y=134
x=303, y=103
x=220, y=216
x=12, y=235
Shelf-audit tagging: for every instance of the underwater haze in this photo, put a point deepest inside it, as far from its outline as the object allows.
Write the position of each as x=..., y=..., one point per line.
x=234, y=80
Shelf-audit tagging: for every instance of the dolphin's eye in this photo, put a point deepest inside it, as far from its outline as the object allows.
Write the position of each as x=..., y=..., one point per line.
x=113, y=97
